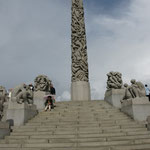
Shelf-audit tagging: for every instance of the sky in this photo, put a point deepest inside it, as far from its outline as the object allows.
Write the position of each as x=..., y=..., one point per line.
x=35, y=38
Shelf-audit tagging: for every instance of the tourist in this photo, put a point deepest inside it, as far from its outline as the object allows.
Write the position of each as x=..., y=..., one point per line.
x=147, y=91
x=31, y=87
x=53, y=92
x=9, y=93
x=49, y=103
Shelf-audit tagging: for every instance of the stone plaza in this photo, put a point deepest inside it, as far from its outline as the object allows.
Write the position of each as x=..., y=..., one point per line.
x=119, y=122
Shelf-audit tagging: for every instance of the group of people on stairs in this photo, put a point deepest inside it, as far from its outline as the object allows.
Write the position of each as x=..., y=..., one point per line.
x=50, y=99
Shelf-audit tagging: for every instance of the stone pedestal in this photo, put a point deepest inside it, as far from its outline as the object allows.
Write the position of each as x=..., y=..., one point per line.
x=4, y=129
x=80, y=91
x=137, y=108
x=39, y=100
x=148, y=123
x=5, y=111
x=20, y=113
x=114, y=96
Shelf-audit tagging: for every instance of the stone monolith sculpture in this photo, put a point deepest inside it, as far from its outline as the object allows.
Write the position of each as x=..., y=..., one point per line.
x=80, y=87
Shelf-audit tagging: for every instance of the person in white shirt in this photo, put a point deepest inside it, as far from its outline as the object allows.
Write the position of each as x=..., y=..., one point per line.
x=147, y=91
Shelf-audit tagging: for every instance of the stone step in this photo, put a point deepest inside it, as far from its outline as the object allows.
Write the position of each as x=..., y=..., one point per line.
x=79, y=145
x=123, y=138
x=79, y=131
x=104, y=123
x=68, y=128
x=133, y=147
x=52, y=128
x=80, y=120
x=84, y=121
x=59, y=136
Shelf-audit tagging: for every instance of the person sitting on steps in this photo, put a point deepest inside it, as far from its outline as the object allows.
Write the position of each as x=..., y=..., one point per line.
x=49, y=103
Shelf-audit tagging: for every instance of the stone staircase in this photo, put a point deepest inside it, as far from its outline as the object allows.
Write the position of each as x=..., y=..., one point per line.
x=91, y=125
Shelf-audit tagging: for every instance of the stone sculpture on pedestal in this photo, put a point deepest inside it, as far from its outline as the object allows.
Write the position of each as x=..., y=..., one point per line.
x=4, y=126
x=20, y=106
x=114, y=80
x=135, y=103
x=21, y=94
x=42, y=88
x=42, y=83
x=135, y=90
x=3, y=99
x=80, y=87
x=115, y=91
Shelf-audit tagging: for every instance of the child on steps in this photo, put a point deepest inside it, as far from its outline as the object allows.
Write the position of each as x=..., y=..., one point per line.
x=49, y=103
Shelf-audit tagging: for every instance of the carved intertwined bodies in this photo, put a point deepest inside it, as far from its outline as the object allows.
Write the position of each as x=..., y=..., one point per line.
x=22, y=94
x=114, y=80
x=79, y=48
x=3, y=99
x=136, y=89
x=42, y=83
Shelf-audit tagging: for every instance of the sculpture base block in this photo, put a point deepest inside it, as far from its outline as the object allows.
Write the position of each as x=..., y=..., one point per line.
x=39, y=100
x=5, y=112
x=114, y=96
x=80, y=91
x=4, y=129
x=137, y=108
x=19, y=114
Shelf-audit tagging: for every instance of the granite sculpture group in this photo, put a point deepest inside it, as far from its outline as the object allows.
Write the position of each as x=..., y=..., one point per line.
x=136, y=89
x=114, y=80
x=131, y=99
x=42, y=83
x=3, y=99
x=21, y=105
x=22, y=94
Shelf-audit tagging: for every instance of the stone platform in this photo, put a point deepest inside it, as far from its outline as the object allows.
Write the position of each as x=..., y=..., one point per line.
x=4, y=129
x=39, y=100
x=94, y=125
x=114, y=96
x=80, y=91
x=137, y=108
x=19, y=114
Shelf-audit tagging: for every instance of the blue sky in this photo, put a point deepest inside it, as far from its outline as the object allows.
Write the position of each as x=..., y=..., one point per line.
x=108, y=7
x=35, y=39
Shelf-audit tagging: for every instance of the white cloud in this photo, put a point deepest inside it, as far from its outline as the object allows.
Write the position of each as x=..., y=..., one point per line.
x=65, y=96
x=120, y=44
x=35, y=39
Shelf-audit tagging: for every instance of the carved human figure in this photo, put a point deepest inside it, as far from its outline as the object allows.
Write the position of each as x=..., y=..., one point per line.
x=3, y=99
x=142, y=92
x=135, y=90
x=127, y=92
x=42, y=83
x=79, y=48
x=21, y=94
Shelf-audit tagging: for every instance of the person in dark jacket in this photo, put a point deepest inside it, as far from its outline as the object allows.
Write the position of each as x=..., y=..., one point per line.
x=53, y=92
x=52, y=89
